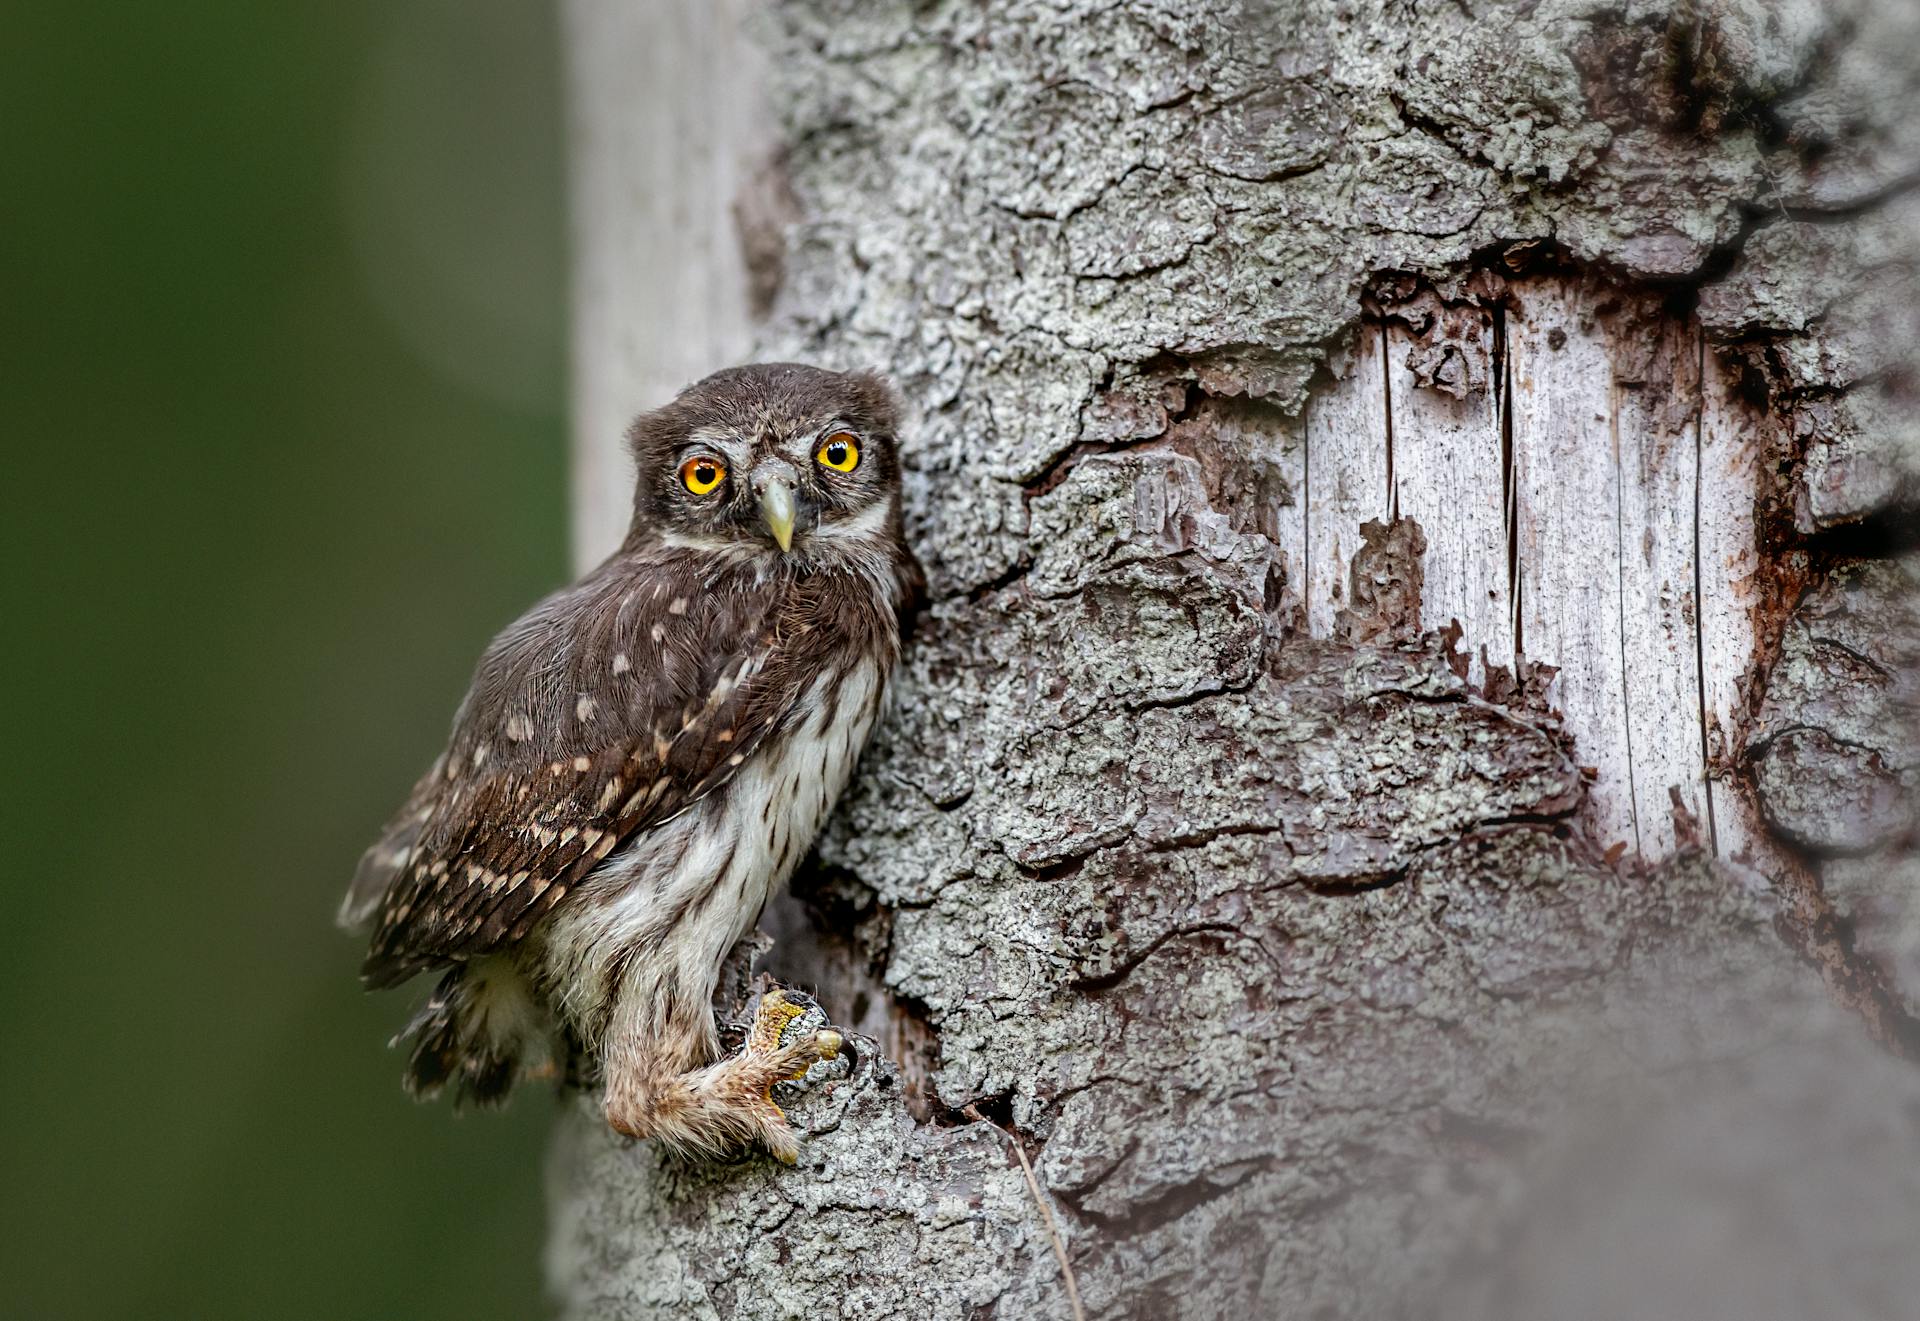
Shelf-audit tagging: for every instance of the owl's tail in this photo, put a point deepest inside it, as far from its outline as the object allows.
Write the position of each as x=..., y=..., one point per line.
x=473, y=1034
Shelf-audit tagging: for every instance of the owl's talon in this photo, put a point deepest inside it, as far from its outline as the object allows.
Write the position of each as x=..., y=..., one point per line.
x=780, y=1143
x=790, y=1027
x=730, y=1104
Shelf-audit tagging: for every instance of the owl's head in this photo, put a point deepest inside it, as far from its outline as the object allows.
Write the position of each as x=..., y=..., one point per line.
x=778, y=459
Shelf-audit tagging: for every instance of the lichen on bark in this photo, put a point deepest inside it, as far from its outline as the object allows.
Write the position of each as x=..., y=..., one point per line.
x=1286, y=959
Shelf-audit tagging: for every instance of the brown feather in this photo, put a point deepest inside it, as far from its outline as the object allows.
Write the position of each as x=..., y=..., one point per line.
x=519, y=808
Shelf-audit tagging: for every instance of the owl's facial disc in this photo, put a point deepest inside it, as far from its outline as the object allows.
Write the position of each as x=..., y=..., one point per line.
x=777, y=462
x=795, y=490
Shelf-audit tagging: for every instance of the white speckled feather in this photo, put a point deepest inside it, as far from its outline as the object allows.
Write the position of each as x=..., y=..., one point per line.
x=706, y=875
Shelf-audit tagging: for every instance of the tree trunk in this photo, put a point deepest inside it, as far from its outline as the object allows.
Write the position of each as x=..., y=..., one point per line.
x=1402, y=801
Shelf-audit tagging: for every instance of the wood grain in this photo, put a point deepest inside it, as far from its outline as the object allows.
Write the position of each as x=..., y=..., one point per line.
x=1345, y=477
x=1656, y=434
x=1731, y=444
x=1568, y=513
x=1448, y=476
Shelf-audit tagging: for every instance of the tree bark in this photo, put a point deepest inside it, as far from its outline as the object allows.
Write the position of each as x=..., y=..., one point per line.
x=1402, y=800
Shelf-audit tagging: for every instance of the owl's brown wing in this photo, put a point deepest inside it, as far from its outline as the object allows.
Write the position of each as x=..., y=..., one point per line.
x=382, y=864
x=608, y=709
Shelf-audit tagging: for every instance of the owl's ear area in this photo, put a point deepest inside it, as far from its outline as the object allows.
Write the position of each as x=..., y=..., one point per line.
x=651, y=437
x=878, y=403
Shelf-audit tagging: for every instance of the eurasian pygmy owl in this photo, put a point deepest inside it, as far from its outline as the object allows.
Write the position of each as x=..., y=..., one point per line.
x=643, y=758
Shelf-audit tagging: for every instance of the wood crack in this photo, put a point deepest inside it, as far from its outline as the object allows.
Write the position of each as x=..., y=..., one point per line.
x=1699, y=595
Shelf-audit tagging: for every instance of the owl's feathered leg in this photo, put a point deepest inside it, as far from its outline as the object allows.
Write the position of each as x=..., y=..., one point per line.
x=724, y=1107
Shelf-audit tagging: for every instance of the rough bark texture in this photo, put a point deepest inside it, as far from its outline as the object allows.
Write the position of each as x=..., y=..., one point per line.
x=1291, y=954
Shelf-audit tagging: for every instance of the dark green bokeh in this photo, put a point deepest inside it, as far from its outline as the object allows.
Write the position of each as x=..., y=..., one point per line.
x=281, y=399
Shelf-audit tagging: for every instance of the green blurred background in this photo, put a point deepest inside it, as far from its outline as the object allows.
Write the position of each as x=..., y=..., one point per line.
x=283, y=405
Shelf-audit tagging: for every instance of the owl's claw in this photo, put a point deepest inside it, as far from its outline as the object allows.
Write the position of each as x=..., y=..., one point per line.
x=716, y=1110
x=790, y=1047
x=791, y=1026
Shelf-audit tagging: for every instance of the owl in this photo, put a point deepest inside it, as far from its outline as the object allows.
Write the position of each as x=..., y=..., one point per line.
x=643, y=758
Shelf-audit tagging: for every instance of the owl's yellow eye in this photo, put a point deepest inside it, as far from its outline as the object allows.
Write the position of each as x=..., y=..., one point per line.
x=702, y=474
x=840, y=452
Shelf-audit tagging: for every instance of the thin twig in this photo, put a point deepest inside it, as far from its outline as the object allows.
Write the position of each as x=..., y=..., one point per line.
x=1046, y=1214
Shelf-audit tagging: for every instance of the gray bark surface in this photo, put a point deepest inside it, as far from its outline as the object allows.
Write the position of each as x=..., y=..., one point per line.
x=1296, y=964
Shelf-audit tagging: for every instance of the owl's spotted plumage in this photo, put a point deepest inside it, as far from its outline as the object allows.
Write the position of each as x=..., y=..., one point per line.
x=644, y=756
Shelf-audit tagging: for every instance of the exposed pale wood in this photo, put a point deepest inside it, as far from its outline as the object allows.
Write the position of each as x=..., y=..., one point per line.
x=1277, y=456
x=1656, y=431
x=1447, y=475
x=1284, y=453
x=1567, y=509
x=1731, y=440
x=1346, y=478
x=1633, y=514
x=666, y=122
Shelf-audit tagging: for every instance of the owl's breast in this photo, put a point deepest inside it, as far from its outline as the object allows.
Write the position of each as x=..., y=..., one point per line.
x=677, y=898
x=784, y=796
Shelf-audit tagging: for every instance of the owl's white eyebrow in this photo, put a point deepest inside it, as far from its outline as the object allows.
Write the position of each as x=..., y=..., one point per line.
x=721, y=546
x=863, y=524
x=707, y=438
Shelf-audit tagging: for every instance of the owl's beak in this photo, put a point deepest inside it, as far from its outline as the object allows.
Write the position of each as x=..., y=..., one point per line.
x=776, y=508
